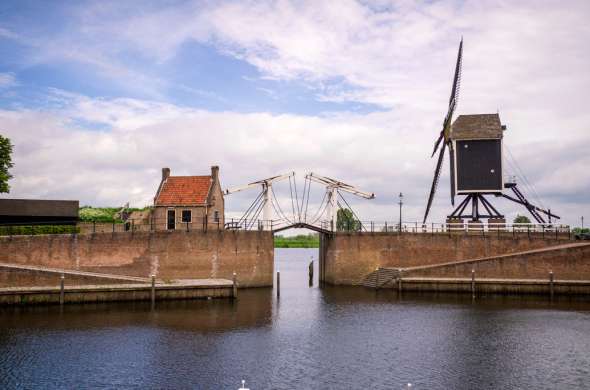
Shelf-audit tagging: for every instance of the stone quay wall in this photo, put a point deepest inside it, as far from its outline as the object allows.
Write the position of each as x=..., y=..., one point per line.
x=347, y=258
x=167, y=255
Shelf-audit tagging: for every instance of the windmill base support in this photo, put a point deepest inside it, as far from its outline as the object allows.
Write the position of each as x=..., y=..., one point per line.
x=478, y=203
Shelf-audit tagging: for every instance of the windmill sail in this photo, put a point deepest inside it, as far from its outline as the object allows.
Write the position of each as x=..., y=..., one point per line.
x=445, y=134
x=435, y=181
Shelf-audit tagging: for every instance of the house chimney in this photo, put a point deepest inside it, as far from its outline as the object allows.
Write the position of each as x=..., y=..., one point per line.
x=165, y=173
x=215, y=173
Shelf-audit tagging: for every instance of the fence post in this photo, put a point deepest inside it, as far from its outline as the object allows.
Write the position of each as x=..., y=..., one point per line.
x=113, y=226
x=528, y=231
x=399, y=282
x=385, y=226
x=235, y=287
x=278, y=284
x=543, y=228
x=311, y=273
x=61, y=289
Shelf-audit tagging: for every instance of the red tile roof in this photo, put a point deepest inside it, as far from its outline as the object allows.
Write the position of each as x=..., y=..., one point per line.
x=184, y=190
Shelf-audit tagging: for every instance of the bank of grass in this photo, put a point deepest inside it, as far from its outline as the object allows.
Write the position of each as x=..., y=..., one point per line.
x=103, y=214
x=38, y=229
x=299, y=241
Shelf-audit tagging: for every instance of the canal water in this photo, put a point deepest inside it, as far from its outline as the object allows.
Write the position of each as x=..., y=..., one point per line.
x=312, y=338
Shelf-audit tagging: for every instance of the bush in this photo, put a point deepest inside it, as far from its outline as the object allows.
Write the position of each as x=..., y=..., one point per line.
x=299, y=241
x=34, y=230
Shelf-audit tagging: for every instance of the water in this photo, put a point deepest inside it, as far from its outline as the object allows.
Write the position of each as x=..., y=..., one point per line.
x=330, y=338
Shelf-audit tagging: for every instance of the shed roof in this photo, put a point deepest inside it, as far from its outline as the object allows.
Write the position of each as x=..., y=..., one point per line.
x=184, y=190
x=39, y=208
x=477, y=126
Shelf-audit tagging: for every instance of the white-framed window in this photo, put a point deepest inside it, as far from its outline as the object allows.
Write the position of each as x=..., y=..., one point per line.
x=187, y=216
x=216, y=216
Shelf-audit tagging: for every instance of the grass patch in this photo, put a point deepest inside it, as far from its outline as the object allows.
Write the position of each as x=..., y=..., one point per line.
x=299, y=241
x=33, y=230
x=103, y=214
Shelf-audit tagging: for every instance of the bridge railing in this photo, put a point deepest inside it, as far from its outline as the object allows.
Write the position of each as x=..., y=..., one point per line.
x=515, y=229
x=153, y=224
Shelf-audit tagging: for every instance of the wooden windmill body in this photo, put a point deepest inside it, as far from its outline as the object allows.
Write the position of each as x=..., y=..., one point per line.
x=476, y=164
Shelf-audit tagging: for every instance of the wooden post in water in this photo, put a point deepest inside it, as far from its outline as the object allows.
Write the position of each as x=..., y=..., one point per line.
x=473, y=283
x=61, y=289
x=235, y=287
x=278, y=284
x=153, y=292
x=311, y=273
x=551, y=286
x=399, y=282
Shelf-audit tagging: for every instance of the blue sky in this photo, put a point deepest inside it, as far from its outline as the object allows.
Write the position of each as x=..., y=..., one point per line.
x=98, y=96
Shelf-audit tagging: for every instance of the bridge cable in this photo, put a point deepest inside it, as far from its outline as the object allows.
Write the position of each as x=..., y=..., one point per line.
x=249, y=210
x=526, y=182
x=303, y=198
x=297, y=199
x=307, y=203
x=280, y=210
x=351, y=210
x=292, y=202
x=256, y=215
x=321, y=213
x=317, y=215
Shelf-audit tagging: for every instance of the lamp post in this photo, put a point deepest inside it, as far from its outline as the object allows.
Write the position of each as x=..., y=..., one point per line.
x=401, y=197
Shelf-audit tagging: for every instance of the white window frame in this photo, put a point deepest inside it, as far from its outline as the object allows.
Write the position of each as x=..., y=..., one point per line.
x=190, y=214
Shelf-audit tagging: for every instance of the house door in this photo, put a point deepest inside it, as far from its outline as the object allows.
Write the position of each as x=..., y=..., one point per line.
x=171, y=225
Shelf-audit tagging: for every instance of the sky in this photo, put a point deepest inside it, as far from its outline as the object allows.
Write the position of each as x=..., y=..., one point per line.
x=98, y=96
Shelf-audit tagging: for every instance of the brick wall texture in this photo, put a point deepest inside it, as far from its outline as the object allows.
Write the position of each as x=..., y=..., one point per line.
x=168, y=255
x=351, y=257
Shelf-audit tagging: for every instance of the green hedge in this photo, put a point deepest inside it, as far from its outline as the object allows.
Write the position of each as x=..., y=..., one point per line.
x=32, y=230
x=300, y=241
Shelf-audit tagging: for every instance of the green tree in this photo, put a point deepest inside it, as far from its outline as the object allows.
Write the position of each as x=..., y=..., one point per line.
x=345, y=221
x=5, y=163
x=521, y=219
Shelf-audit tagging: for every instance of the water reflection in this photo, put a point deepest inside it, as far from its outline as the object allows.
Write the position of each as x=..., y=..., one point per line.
x=330, y=337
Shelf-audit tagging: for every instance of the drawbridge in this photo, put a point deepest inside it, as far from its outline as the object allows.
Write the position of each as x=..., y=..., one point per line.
x=266, y=212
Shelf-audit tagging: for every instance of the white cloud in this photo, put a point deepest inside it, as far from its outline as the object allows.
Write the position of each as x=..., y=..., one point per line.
x=529, y=60
x=7, y=80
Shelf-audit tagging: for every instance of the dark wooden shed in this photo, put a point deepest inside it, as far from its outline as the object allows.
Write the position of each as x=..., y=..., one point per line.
x=26, y=211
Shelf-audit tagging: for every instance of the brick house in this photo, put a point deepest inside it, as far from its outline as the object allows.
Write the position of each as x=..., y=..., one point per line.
x=183, y=202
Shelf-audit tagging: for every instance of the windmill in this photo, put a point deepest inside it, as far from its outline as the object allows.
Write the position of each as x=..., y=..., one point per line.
x=476, y=163
x=445, y=134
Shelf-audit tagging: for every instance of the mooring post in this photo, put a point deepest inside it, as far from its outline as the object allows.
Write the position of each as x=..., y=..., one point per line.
x=235, y=287
x=551, y=285
x=153, y=294
x=399, y=281
x=61, y=289
x=311, y=273
x=278, y=284
x=473, y=283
